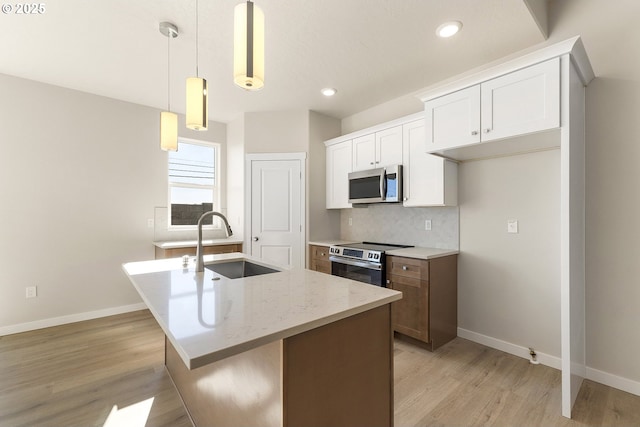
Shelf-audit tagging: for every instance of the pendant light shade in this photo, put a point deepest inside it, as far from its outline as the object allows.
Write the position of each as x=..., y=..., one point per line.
x=168, y=131
x=248, y=56
x=197, y=106
x=168, y=120
x=197, y=111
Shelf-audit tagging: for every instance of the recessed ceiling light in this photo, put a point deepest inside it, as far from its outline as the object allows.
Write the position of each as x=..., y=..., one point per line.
x=328, y=91
x=448, y=29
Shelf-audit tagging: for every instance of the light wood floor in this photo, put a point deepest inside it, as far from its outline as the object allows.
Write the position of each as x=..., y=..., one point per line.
x=73, y=375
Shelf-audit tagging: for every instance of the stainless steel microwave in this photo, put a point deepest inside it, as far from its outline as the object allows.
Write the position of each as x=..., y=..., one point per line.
x=381, y=185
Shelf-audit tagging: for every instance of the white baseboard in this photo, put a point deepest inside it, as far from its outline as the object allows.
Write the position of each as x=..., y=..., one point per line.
x=72, y=318
x=614, y=381
x=507, y=347
x=611, y=380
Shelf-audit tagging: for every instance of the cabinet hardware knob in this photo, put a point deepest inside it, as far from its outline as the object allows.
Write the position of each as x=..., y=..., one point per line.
x=255, y=239
x=475, y=132
x=487, y=130
x=321, y=253
x=404, y=267
x=370, y=163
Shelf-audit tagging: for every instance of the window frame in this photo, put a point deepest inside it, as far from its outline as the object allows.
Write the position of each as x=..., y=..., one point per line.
x=217, y=224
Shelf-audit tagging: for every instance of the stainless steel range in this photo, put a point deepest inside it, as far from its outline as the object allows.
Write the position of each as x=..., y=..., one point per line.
x=364, y=261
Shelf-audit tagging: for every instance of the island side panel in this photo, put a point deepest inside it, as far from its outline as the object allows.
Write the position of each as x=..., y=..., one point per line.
x=241, y=390
x=341, y=374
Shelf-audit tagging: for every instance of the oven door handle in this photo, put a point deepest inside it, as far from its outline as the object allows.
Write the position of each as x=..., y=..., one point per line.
x=364, y=264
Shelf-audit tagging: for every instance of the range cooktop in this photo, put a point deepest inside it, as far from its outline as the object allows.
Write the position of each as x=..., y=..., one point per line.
x=368, y=251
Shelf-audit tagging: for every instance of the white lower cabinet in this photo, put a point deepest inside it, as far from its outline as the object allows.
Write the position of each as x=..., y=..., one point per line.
x=428, y=180
x=339, y=164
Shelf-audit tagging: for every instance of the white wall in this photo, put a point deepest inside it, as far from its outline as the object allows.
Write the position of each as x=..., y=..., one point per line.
x=276, y=131
x=235, y=175
x=509, y=284
x=322, y=223
x=79, y=177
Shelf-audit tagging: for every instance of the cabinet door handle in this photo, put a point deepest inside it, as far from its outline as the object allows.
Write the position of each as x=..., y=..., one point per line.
x=487, y=130
x=370, y=163
x=475, y=132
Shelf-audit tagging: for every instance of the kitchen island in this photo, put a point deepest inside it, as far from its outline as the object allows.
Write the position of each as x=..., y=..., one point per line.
x=290, y=348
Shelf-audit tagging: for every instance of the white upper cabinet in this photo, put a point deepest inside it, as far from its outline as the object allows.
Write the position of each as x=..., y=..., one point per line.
x=379, y=149
x=389, y=147
x=364, y=152
x=453, y=120
x=517, y=103
x=428, y=180
x=339, y=164
x=521, y=102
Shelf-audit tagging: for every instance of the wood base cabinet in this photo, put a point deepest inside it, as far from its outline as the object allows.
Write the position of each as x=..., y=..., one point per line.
x=191, y=251
x=319, y=259
x=428, y=310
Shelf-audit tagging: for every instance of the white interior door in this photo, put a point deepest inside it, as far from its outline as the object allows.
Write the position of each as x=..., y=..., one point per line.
x=277, y=210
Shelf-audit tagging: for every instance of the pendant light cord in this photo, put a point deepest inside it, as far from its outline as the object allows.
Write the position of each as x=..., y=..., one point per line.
x=169, y=72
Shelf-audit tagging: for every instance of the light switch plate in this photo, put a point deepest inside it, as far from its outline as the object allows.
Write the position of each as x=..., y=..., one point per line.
x=427, y=224
x=512, y=226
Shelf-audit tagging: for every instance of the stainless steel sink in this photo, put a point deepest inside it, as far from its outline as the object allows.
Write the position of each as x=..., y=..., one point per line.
x=238, y=269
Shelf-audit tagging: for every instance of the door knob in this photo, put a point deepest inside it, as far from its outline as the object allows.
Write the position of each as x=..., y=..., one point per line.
x=255, y=239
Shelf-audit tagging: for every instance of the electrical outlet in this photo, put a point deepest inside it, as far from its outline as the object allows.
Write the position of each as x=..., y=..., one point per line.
x=31, y=291
x=150, y=223
x=350, y=221
x=427, y=224
x=512, y=226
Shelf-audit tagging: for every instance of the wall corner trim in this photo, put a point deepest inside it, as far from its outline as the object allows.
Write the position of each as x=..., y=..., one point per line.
x=507, y=347
x=621, y=383
x=611, y=380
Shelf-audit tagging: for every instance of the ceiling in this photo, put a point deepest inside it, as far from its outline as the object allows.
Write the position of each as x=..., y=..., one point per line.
x=370, y=50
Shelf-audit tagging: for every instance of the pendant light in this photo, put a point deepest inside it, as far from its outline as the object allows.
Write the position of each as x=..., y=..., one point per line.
x=168, y=120
x=197, y=107
x=248, y=51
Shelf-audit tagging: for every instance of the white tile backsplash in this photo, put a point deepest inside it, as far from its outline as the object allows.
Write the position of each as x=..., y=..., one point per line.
x=387, y=223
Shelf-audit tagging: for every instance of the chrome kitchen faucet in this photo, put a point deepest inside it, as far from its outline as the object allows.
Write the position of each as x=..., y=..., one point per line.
x=199, y=255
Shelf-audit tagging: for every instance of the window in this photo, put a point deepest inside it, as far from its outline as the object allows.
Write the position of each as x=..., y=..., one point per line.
x=193, y=183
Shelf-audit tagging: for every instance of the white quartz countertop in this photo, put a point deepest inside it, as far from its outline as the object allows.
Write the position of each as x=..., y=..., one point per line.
x=422, y=253
x=193, y=243
x=208, y=320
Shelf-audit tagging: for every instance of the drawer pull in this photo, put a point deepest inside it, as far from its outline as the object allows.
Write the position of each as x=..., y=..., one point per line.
x=404, y=267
